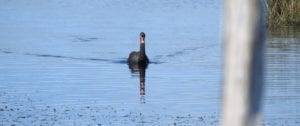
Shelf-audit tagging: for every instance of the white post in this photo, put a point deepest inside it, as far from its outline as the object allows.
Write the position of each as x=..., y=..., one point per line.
x=243, y=62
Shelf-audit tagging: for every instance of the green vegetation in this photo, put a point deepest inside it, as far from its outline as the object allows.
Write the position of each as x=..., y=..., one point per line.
x=283, y=12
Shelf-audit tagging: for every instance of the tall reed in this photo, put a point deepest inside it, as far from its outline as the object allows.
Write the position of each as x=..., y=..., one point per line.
x=283, y=12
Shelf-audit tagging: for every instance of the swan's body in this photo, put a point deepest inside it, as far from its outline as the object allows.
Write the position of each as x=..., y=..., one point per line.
x=139, y=59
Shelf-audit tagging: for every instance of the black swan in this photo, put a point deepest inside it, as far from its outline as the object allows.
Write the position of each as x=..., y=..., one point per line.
x=139, y=59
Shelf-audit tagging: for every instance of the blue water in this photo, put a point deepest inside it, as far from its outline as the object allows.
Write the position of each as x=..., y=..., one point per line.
x=282, y=94
x=64, y=63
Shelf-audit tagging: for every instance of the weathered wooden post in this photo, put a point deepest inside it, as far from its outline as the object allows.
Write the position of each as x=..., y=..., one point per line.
x=243, y=62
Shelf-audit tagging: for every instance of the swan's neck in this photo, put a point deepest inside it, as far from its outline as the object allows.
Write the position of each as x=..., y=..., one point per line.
x=142, y=49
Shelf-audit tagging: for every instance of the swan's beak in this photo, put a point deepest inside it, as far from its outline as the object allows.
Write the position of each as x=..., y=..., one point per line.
x=142, y=39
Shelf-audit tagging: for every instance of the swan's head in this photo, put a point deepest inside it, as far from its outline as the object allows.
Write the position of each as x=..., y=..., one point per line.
x=142, y=37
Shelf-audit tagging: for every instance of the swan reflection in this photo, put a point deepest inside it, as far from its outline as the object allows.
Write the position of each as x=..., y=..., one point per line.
x=141, y=72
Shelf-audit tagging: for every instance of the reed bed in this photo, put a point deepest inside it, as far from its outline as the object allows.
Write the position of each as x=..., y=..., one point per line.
x=283, y=12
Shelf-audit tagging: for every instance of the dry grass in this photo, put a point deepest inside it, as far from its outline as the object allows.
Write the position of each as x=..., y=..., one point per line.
x=283, y=12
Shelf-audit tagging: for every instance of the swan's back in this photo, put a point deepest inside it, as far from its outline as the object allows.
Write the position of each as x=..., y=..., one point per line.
x=133, y=58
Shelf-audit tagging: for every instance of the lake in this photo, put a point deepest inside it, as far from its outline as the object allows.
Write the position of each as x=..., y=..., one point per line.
x=63, y=62
x=282, y=94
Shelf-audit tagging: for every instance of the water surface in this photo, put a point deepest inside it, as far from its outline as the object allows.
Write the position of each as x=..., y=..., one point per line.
x=282, y=100
x=64, y=62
